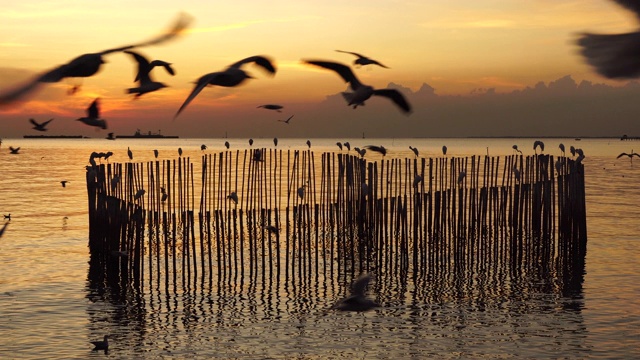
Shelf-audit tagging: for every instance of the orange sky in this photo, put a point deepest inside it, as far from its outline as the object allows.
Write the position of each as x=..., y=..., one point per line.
x=454, y=46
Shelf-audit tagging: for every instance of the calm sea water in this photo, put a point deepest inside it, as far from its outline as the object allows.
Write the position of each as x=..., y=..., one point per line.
x=49, y=310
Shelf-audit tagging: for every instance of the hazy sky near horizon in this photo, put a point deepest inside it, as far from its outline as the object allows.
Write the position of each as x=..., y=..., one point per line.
x=454, y=46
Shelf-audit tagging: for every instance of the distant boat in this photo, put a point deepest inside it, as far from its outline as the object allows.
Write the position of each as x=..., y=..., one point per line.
x=55, y=137
x=149, y=135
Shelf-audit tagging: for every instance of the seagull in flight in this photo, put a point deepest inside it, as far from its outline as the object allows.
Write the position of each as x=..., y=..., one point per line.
x=271, y=107
x=358, y=301
x=380, y=149
x=362, y=60
x=230, y=77
x=64, y=183
x=14, y=150
x=614, y=56
x=361, y=92
x=630, y=155
x=87, y=65
x=287, y=121
x=93, y=116
x=41, y=126
x=146, y=84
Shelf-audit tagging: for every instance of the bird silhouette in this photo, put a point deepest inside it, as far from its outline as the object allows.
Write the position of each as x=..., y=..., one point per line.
x=515, y=147
x=40, y=126
x=629, y=155
x=179, y=151
x=257, y=155
x=379, y=149
x=233, y=75
x=130, y=153
x=250, y=142
x=7, y=217
x=111, y=136
x=361, y=92
x=226, y=144
x=139, y=194
x=286, y=121
x=87, y=65
x=275, y=107
x=275, y=141
x=357, y=301
x=203, y=147
x=537, y=144
x=347, y=145
x=93, y=116
x=339, y=145
x=101, y=345
x=309, y=143
x=143, y=77
x=64, y=183
x=233, y=197
x=362, y=60
x=614, y=56
x=14, y=150
x=415, y=151
x=155, y=154
x=561, y=147
x=444, y=149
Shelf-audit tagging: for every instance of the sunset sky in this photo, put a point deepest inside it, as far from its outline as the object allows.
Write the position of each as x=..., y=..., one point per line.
x=456, y=47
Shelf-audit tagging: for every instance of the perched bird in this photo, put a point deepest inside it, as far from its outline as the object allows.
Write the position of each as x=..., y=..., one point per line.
x=286, y=121
x=309, y=143
x=444, y=149
x=360, y=152
x=231, y=76
x=537, y=144
x=358, y=300
x=120, y=253
x=155, y=154
x=203, y=147
x=233, y=196
x=164, y=194
x=301, y=191
x=461, y=176
x=107, y=155
x=14, y=150
x=139, y=194
x=515, y=147
x=380, y=149
x=362, y=60
x=130, y=153
x=93, y=116
x=572, y=150
x=614, y=56
x=347, y=145
x=561, y=146
x=179, y=151
x=250, y=142
x=257, y=155
x=146, y=84
x=417, y=180
x=226, y=144
x=42, y=126
x=275, y=141
x=87, y=65
x=271, y=107
x=4, y=227
x=111, y=136
x=64, y=183
x=361, y=92
x=516, y=172
x=415, y=150
x=101, y=345
x=339, y=145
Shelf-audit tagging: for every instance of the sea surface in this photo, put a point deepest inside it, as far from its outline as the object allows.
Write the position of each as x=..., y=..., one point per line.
x=48, y=308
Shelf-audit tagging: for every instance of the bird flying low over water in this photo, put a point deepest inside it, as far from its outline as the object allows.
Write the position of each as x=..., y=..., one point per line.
x=40, y=126
x=287, y=121
x=64, y=183
x=361, y=92
x=231, y=76
x=614, y=56
x=14, y=150
x=362, y=60
x=87, y=65
x=93, y=116
x=146, y=84
x=271, y=107
x=629, y=155
x=358, y=301
x=380, y=149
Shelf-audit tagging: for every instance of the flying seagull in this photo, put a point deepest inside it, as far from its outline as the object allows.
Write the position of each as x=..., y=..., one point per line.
x=271, y=107
x=358, y=301
x=630, y=155
x=146, y=84
x=362, y=60
x=87, y=65
x=14, y=150
x=64, y=183
x=41, y=126
x=361, y=92
x=287, y=121
x=93, y=116
x=614, y=56
x=380, y=149
x=415, y=150
x=231, y=76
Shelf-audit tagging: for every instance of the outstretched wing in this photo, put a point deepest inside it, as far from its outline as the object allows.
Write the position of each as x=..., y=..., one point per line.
x=166, y=65
x=343, y=70
x=34, y=122
x=143, y=67
x=261, y=61
x=200, y=84
x=395, y=96
x=93, y=111
x=352, y=53
x=46, y=122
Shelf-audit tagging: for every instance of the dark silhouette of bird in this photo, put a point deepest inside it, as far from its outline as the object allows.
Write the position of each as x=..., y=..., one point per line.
x=561, y=146
x=275, y=141
x=614, y=56
x=101, y=345
x=203, y=147
x=257, y=155
x=87, y=65
x=415, y=151
x=231, y=76
x=287, y=121
x=271, y=107
x=339, y=145
x=179, y=151
x=515, y=148
x=347, y=145
x=360, y=152
x=362, y=60
x=64, y=183
x=629, y=155
x=7, y=217
x=444, y=149
x=226, y=144
x=357, y=301
x=164, y=194
x=379, y=149
x=572, y=150
x=233, y=197
x=417, y=180
x=41, y=126
x=272, y=229
x=155, y=153
x=139, y=194
x=143, y=77
x=361, y=92
x=130, y=153
x=111, y=136
x=93, y=116
x=250, y=142
x=461, y=176
x=537, y=144
x=14, y=150
x=309, y=143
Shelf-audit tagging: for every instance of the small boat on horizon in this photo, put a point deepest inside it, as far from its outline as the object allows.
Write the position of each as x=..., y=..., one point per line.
x=149, y=135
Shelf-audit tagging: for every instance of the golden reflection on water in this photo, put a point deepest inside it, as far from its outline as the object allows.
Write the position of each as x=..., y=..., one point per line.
x=52, y=311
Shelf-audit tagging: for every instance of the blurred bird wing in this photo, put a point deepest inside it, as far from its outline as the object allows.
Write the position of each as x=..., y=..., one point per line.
x=201, y=84
x=7, y=98
x=166, y=65
x=352, y=53
x=46, y=122
x=92, y=111
x=359, y=286
x=396, y=97
x=143, y=67
x=378, y=63
x=621, y=155
x=34, y=122
x=343, y=70
x=261, y=61
x=613, y=56
x=632, y=5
